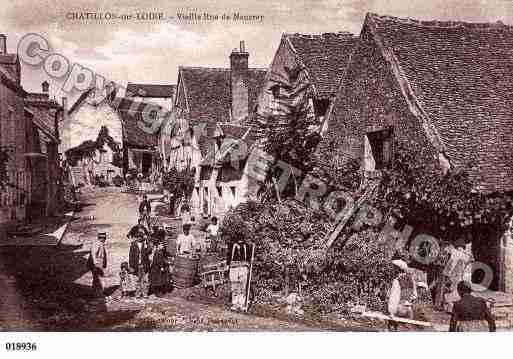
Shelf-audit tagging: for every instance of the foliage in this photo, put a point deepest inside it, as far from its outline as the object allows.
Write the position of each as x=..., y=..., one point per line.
x=292, y=139
x=288, y=239
x=414, y=191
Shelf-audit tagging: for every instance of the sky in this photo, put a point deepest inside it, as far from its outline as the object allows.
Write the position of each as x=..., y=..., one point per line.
x=150, y=51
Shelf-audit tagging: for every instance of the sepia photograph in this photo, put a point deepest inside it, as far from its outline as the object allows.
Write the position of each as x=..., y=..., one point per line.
x=272, y=166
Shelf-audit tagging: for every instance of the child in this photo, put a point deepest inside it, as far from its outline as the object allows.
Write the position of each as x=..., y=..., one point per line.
x=126, y=281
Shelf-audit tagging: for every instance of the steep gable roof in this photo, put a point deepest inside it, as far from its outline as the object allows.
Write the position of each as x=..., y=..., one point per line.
x=131, y=116
x=150, y=90
x=325, y=57
x=208, y=91
x=458, y=80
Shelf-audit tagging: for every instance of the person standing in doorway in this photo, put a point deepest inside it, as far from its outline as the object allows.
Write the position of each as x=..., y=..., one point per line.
x=97, y=262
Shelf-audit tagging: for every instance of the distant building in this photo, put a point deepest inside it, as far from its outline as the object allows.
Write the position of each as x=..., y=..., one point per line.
x=13, y=195
x=163, y=95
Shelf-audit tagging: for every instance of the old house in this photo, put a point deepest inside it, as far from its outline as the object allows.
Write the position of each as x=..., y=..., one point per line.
x=223, y=181
x=213, y=100
x=123, y=120
x=13, y=170
x=42, y=156
x=80, y=128
x=305, y=71
x=446, y=87
x=140, y=142
x=163, y=95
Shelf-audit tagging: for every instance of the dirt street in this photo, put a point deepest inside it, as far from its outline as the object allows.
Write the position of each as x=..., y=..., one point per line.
x=49, y=287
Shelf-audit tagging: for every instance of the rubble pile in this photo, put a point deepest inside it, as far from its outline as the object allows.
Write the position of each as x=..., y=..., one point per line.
x=289, y=257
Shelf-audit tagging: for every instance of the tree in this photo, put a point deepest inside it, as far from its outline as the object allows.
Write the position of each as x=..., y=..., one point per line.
x=291, y=139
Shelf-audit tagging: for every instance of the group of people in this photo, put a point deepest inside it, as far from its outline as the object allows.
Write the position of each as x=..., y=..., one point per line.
x=468, y=312
x=147, y=270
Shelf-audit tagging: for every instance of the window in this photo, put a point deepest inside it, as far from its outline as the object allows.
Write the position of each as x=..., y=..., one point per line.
x=274, y=105
x=321, y=106
x=381, y=147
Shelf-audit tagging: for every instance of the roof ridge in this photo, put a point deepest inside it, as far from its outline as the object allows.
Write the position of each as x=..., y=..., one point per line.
x=148, y=84
x=340, y=34
x=444, y=24
x=204, y=68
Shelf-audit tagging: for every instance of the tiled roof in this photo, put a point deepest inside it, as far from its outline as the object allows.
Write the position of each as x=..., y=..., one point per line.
x=44, y=111
x=461, y=76
x=150, y=90
x=325, y=57
x=208, y=91
x=133, y=135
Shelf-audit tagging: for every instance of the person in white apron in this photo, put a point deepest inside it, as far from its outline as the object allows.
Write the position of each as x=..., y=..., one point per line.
x=402, y=294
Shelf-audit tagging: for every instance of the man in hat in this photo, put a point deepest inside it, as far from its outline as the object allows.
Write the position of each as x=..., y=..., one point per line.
x=97, y=262
x=402, y=293
x=470, y=313
x=185, y=241
x=139, y=262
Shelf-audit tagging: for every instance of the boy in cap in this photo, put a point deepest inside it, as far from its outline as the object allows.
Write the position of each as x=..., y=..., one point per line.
x=97, y=262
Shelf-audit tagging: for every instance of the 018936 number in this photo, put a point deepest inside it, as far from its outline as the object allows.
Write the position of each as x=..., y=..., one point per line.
x=20, y=346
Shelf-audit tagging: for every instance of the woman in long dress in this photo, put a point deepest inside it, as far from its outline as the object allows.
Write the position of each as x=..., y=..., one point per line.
x=159, y=271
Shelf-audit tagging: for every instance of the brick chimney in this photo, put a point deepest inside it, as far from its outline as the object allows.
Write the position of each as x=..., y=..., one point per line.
x=239, y=86
x=3, y=44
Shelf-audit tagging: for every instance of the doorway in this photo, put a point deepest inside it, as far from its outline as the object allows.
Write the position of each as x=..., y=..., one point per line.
x=147, y=160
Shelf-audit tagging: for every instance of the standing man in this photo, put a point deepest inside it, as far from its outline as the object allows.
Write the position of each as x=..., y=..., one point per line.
x=185, y=241
x=97, y=262
x=139, y=262
x=145, y=209
x=470, y=313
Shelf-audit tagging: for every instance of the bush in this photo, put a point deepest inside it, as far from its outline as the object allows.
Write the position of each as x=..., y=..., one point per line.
x=289, y=251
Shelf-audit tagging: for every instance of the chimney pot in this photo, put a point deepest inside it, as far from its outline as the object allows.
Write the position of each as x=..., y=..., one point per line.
x=3, y=44
x=242, y=47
